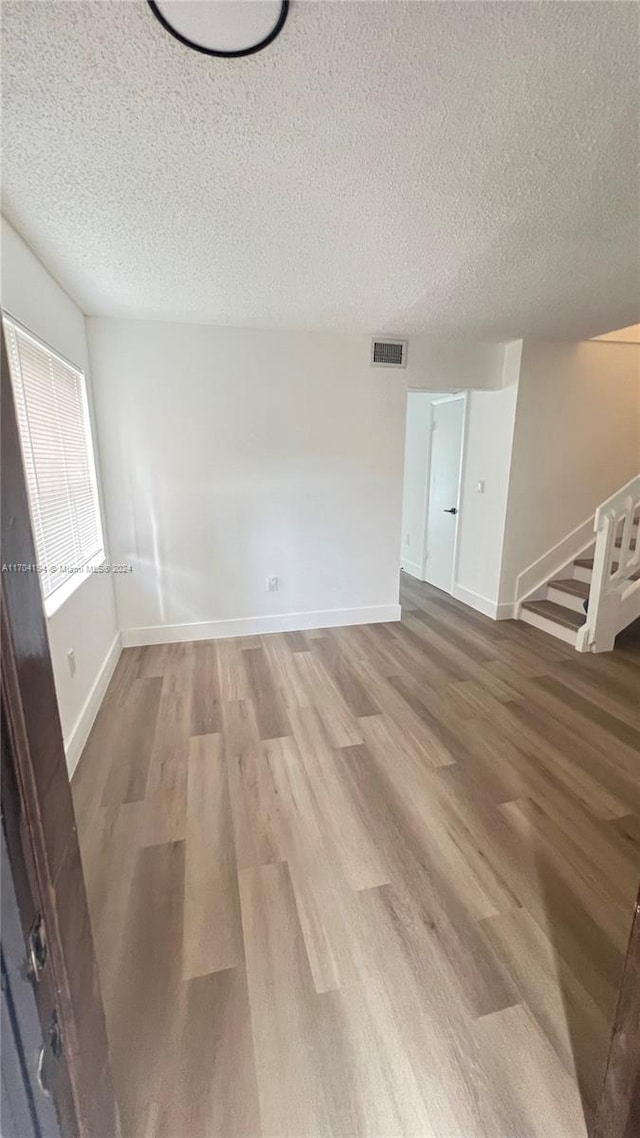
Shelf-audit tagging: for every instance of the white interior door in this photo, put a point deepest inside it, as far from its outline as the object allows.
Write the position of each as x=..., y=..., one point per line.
x=444, y=491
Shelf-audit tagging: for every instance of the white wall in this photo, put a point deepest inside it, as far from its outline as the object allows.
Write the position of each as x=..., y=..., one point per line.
x=230, y=455
x=577, y=439
x=481, y=528
x=86, y=621
x=416, y=480
x=455, y=363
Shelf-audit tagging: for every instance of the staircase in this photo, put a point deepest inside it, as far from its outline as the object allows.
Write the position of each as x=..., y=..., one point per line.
x=592, y=598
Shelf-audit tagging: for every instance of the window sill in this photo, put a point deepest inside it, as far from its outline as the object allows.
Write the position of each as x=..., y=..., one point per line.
x=60, y=596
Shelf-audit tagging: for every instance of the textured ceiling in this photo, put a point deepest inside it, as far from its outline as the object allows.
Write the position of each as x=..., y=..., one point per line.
x=382, y=166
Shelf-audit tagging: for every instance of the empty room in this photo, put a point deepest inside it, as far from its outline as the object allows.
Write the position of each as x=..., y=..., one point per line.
x=320, y=569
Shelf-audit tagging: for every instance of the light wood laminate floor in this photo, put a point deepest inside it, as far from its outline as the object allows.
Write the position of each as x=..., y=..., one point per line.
x=363, y=881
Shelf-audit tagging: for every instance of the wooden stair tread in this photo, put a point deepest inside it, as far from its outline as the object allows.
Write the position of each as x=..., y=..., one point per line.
x=587, y=563
x=569, y=585
x=567, y=618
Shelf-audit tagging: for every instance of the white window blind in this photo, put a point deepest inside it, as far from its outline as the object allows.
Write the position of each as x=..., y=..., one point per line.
x=51, y=408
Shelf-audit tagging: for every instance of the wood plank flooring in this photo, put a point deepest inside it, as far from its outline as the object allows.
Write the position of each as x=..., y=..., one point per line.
x=363, y=882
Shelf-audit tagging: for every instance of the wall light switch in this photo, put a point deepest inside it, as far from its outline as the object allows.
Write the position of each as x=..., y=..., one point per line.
x=272, y=584
x=71, y=661
x=481, y=486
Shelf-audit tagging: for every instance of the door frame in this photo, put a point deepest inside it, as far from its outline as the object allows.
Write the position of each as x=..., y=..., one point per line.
x=455, y=396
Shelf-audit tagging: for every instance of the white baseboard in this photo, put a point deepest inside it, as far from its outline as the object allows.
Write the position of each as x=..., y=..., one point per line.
x=257, y=625
x=485, y=605
x=76, y=740
x=506, y=611
x=412, y=568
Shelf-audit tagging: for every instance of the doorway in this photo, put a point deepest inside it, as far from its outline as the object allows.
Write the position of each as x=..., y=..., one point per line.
x=443, y=500
x=432, y=481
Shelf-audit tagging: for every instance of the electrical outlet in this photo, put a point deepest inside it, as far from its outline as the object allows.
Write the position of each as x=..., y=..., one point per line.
x=481, y=486
x=71, y=661
x=273, y=584
x=407, y=540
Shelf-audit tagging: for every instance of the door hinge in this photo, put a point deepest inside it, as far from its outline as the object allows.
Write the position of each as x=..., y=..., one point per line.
x=37, y=948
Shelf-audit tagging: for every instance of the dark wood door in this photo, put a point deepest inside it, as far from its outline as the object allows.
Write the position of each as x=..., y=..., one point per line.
x=40, y=829
x=618, y=1113
x=27, y=1109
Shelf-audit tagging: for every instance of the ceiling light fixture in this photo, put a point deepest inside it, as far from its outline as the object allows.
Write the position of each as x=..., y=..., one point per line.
x=229, y=28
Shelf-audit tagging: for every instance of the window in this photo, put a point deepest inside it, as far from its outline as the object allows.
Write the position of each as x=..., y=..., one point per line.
x=57, y=450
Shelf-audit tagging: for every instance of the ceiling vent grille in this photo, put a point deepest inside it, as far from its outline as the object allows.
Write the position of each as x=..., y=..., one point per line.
x=388, y=353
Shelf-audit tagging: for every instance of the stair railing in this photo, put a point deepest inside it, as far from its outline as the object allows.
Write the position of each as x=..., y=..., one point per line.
x=616, y=560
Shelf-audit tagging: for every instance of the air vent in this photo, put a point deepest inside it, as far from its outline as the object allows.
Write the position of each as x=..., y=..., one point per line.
x=389, y=353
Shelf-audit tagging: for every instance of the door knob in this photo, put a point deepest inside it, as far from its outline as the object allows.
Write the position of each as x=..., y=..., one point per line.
x=451, y=510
